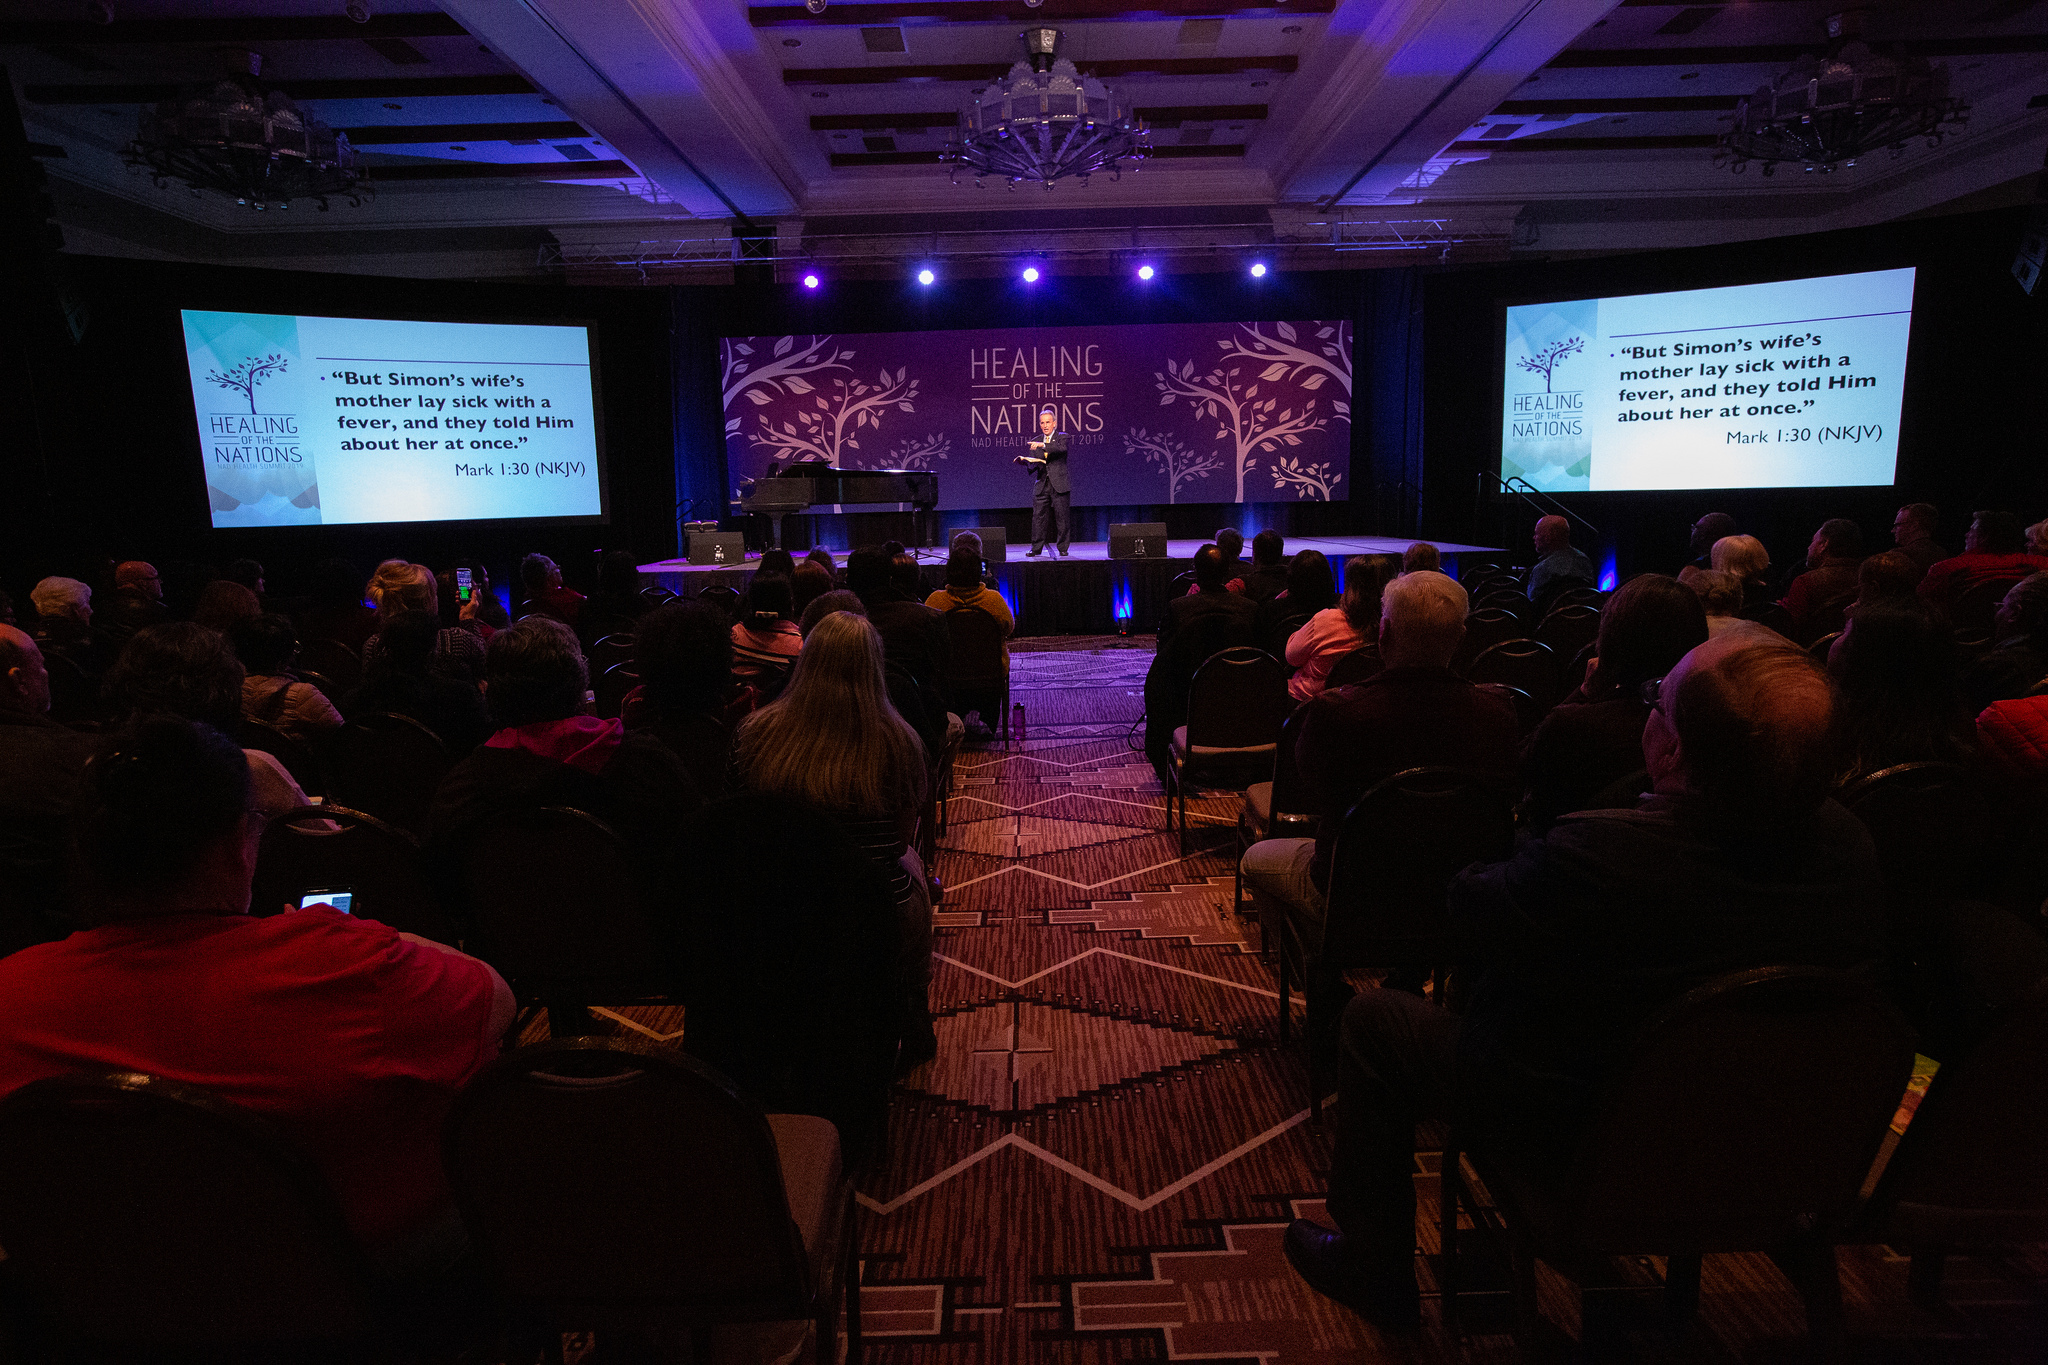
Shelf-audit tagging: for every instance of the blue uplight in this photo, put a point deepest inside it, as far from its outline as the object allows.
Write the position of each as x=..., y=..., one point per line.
x=1608, y=575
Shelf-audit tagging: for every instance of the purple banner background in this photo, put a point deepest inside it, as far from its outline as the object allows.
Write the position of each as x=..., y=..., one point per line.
x=1165, y=413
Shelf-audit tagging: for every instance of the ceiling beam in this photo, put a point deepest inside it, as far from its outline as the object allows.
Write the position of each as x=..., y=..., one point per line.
x=1777, y=54
x=1020, y=11
x=1207, y=151
x=460, y=132
x=250, y=29
x=386, y=88
x=516, y=170
x=1637, y=104
x=989, y=71
x=1162, y=116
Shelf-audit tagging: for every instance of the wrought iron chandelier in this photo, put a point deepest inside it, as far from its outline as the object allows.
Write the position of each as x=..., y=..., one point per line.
x=248, y=141
x=1045, y=120
x=1827, y=111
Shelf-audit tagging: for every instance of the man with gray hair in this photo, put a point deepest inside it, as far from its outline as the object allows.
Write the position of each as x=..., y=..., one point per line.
x=1738, y=858
x=41, y=763
x=1415, y=712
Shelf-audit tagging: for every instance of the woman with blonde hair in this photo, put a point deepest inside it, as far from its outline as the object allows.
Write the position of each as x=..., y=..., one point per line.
x=1748, y=560
x=834, y=742
x=399, y=586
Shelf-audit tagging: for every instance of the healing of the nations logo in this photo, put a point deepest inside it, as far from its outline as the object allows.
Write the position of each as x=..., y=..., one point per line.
x=1546, y=440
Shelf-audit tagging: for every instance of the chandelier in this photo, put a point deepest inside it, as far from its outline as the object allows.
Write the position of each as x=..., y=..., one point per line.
x=1827, y=111
x=1045, y=120
x=247, y=141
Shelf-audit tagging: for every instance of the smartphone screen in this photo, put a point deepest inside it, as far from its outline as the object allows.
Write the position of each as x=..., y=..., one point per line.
x=464, y=585
x=339, y=897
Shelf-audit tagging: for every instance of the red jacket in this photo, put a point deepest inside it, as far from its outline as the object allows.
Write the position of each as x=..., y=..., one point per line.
x=1948, y=579
x=2014, y=736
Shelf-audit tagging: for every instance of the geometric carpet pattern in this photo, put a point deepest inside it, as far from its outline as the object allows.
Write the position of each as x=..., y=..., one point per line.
x=1098, y=1164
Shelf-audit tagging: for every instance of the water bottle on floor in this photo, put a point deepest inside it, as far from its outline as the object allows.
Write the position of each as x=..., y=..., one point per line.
x=1017, y=722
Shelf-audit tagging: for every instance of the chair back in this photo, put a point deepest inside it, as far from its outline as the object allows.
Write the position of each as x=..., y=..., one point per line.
x=1355, y=667
x=1509, y=599
x=975, y=659
x=144, y=1214
x=388, y=765
x=1819, y=648
x=1486, y=582
x=1579, y=597
x=1527, y=664
x=1970, y=1162
x=297, y=757
x=1528, y=715
x=1289, y=798
x=1238, y=700
x=1396, y=853
x=608, y=650
x=1937, y=837
x=1569, y=628
x=1283, y=631
x=1486, y=627
x=607, y=1178
x=331, y=659
x=1747, y=1112
x=320, y=847
x=1772, y=615
x=557, y=907
x=655, y=595
x=718, y=595
x=1974, y=607
x=328, y=687
x=612, y=688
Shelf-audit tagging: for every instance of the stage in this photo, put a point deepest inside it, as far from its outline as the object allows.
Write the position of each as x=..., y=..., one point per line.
x=1086, y=593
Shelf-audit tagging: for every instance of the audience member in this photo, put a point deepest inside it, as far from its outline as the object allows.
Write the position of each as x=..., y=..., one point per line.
x=684, y=653
x=1994, y=551
x=913, y=635
x=41, y=763
x=964, y=590
x=1818, y=598
x=1584, y=754
x=183, y=669
x=1352, y=624
x=905, y=576
x=2017, y=661
x=402, y=682
x=807, y=583
x=1268, y=578
x=548, y=752
x=1746, y=558
x=822, y=557
x=618, y=605
x=1747, y=863
x=1422, y=556
x=1415, y=712
x=247, y=572
x=1894, y=667
x=966, y=540
x=1712, y=527
x=921, y=706
x=1210, y=596
x=483, y=608
x=337, y=610
x=224, y=602
x=835, y=743
x=349, y=1036
x=839, y=599
x=1720, y=596
x=74, y=652
x=136, y=601
x=1913, y=531
x=1311, y=587
x=398, y=586
x=1559, y=566
x=2037, y=538
x=541, y=577
x=1230, y=541
x=765, y=642
x=775, y=559
x=1886, y=577
x=266, y=645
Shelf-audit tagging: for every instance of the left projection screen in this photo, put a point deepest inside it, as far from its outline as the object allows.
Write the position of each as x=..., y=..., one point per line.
x=309, y=421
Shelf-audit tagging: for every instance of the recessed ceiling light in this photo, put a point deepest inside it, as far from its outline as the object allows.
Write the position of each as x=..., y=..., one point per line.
x=792, y=42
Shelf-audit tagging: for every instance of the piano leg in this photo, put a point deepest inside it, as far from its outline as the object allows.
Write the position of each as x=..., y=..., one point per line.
x=775, y=530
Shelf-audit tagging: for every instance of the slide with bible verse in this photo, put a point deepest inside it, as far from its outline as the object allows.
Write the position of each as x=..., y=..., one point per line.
x=307, y=421
x=1789, y=385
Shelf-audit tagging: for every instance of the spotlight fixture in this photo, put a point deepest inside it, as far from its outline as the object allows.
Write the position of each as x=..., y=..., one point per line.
x=815, y=6
x=925, y=276
x=1031, y=274
x=1258, y=270
x=1144, y=272
x=811, y=281
x=357, y=10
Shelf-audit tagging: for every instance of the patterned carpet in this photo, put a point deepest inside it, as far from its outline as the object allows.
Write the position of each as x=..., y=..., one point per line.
x=1099, y=1163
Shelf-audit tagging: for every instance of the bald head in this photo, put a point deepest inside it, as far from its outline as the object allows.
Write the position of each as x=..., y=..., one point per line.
x=24, y=682
x=140, y=575
x=1422, y=619
x=1552, y=533
x=1746, y=725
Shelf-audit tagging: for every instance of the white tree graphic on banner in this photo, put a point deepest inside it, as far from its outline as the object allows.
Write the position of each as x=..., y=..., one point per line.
x=919, y=453
x=783, y=372
x=1288, y=358
x=830, y=424
x=1251, y=425
x=1307, y=480
x=1179, y=463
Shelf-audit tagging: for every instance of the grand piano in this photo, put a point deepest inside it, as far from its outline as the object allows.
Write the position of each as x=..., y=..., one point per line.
x=805, y=488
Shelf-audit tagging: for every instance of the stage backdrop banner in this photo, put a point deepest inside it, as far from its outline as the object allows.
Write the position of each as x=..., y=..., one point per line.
x=1179, y=412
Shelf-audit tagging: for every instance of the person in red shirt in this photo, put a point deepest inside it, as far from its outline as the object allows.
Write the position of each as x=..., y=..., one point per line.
x=349, y=1036
x=1993, y=551
x=542, y=579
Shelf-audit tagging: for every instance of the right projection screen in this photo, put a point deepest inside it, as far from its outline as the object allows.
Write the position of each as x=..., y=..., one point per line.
x=1789, y=385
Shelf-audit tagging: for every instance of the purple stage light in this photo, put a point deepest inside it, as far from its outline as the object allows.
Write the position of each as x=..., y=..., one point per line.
x=925, y=277
x=810, y=281
x=1144, y=272
x=1031, y=274
x=1258, y=270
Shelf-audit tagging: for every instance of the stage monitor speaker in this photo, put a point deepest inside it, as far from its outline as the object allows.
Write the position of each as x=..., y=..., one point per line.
x=995, y=547
x=718, y=547
x=1137, y=540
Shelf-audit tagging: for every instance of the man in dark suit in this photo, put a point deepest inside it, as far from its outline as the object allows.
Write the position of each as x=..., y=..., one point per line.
x=1052, y=491
x=1209, y=619
x=1737, y=859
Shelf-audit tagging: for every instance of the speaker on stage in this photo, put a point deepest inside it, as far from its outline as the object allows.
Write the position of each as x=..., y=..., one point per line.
x=1137, y=540
x=995, y=546
x=716, y=547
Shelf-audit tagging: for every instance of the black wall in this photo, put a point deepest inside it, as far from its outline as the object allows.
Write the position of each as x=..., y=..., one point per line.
x=1973, y=430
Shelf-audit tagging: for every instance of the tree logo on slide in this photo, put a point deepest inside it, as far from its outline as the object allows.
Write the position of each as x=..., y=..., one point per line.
x=1545, y=361
x=244, y=378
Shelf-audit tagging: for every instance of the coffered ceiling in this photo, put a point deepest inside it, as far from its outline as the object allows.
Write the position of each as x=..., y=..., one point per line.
x=651, y=134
